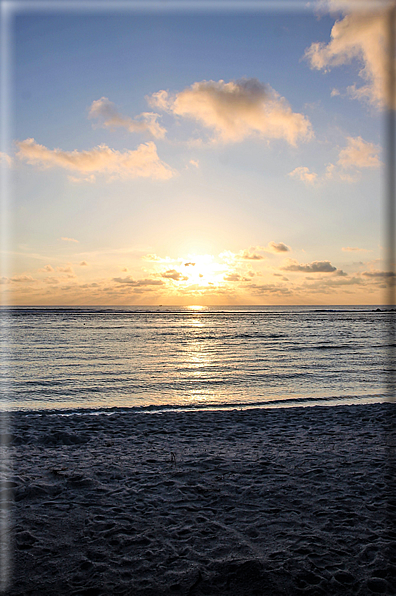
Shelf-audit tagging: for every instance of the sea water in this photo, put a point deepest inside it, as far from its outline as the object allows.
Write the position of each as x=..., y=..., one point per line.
x=192, y=357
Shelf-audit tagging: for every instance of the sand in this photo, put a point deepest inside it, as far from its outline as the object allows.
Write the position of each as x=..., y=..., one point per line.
x=254, y=502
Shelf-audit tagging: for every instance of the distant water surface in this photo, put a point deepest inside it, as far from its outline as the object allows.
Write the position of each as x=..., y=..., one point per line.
x=152, y=357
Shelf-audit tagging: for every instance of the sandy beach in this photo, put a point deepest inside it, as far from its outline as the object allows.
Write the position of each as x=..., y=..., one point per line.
x=254, y=502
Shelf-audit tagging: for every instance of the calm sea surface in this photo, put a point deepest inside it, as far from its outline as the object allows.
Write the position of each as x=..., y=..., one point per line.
x=95, y=358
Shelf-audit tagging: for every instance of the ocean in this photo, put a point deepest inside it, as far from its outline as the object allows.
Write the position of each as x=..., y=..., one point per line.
x=155, y=358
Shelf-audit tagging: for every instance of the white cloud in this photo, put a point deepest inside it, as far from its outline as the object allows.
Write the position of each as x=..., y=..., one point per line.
x=109, y=117
x=156, y=259
x=356, y=156
x=360, y=35
x=69, y=239
x=304, y=174
x=353, y=249
x=47, y=269
x=236, y=110
x=359, y=154
x=142, y=162
x=5, y=159
x=91, y=179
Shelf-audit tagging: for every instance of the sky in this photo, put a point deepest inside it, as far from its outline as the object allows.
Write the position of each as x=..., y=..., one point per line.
x=182, y=157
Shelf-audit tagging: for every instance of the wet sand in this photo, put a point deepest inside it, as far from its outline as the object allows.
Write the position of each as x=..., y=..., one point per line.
x=254, y=502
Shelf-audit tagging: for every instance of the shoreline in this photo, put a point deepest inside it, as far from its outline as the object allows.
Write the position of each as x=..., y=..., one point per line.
x=274, y=404
x=258, y=501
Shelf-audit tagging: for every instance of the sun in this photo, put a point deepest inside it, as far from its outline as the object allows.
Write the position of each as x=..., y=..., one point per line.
x=196, y=307
x=202, y=269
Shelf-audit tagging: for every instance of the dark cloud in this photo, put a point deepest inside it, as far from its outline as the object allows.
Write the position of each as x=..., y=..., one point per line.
x=314, y=267
x=269, y=289
x=22, y=278
x=383, y=274
x=250, y=256
x=278, y=247
x=332, y=281
x=138, y=283
x=175, y=275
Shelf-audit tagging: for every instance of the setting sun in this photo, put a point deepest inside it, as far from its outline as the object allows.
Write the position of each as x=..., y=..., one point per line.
x=203, y=270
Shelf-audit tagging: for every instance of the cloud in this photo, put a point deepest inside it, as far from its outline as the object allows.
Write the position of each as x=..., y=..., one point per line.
x=5, y=159
x=69, y=239
x=106, y=112
x=304, y=174
x=320, y=285
x=175, y=275
x=249, y=255
x=359, y=154
x=152, y=257
x=22, y=278
x=236, y=110
x=232, y=277
x=268, y=289
x=356, y=156
x=194, y=162
x=277, y=247
x=81, y=179
x=381, y=274
x=189, y=264
x=143, y=162
x=83, y=264
x=138, y=283
x=354, y=249
x=47, y=269
x=314, y=267
x=67, y=269
x=361, y=35
x=253, y=252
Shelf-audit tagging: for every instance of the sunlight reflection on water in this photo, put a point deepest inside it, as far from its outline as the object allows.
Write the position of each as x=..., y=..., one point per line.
x=130, y=358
